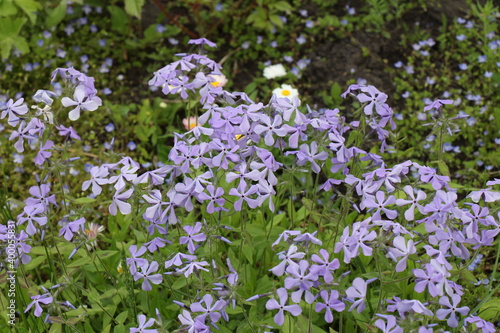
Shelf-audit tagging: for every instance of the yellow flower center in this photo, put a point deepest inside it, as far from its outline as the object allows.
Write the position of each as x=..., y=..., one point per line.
x=192, y=125
x=215, y=84
x=285, y=92
x=239, y=136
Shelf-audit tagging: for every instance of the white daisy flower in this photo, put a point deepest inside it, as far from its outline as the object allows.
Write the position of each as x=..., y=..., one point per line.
x=286, y=91
x=274, y=71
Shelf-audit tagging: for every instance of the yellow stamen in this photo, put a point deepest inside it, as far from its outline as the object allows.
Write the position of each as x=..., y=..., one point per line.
x=215, y=84
x=285, y=92
x=239, y=136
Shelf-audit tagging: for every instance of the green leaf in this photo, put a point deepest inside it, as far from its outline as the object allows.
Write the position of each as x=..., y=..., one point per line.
x=80, y=262
x=122, y=317
x=9, y=35
x=29, y=7
x=134, y=7
x=57, y=14
x=7, y=8
x=82, y=201
x=119, y=19
x=34, y=263
x=281, y=5
x=490, y=310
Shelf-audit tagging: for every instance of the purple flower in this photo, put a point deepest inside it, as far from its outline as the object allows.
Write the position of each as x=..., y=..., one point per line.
x=194, y=267
x=380, y=205
x=177, y=259
x=202, y=42
x=401, y=249
x=273, y=304
x=331, y=302
x=43, y=299
x=136, y=260
x=43, y=154
x=485, y=326
x=375, y=99
x=324, y=267
x=410, y=212
x=215, y=197
x=388, y=326
x=430, y=278
x=438, y=104
x=309, y=154
x=119, y=203
x=143, y=325
x=193, y=236
x=30, y=215
x=146, y=274
x=208, y=310
x=68, y=132
x=97, y=175
x=301, y=278
x=244, y=195
x=192, y=325
x=270, y=129
x=452, y=309
x=72, y=227
x=14, y=110
x=287, y=259
x=82, y=102
x=357, y=295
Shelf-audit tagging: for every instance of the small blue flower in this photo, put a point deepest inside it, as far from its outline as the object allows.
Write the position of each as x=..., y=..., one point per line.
x=463, y=66
x=398, y=64
x=488, y=74
x=460, y=37
x=110, y=127
x=481, y=59
x=131, y=145
x=102, y=42
x=245, y=45
x=309, y=24
x=160, y=28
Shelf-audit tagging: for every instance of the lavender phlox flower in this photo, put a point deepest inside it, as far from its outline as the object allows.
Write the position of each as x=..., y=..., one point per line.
x=337, y=144
x=283, y=237
x=70, y=228
x=144, y=325
x=307, y=238
x=357, y=295
x=127, y=173
x=409, y=306
x=157, y=176
x=44, y=96
x=288, y=108
x=329, y=184
x=37, y=299
x=98, y=176
x=389, y=325
x=351, y=89
x=208, y=310
x=82, y=102
x=192, y=325
x=346, y=244
x=228, y=153
x=232, y=278
x=309, y=154
x=410, y=212
x=193, y=267
x=325, y=266
x=270, y=128
x=489, y=195
x=120, y=204
x=181, y=85
x=135, y=260
x=156, y=243
x=431, y=278
x=302, y=278
x=287, y=259
x=481, y=324
x=22, y=133
x=43, y=154
x=380, y=204
x=156, y=201
x=177, y=259
x=215, y=196
x=202, y=42
x=331, y=302
x=244, y=195
x=438, y=104
x=273, y=304
x=428, y=175
x=375, y=99
x=451, y=310
x=146, y=273
x=401, y=249
x=22, y=248
x=41, y=195
x=194, y=235
x=14, y=110
x=32, y=213
x=68, y=132
x=296, y=134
